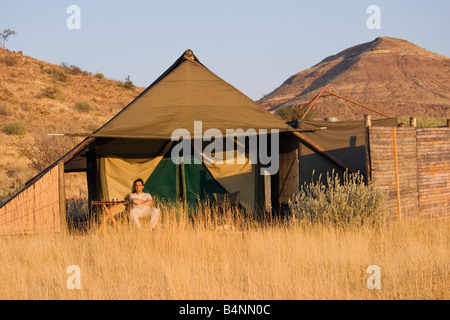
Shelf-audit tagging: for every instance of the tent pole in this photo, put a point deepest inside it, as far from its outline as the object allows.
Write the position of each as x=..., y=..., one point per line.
x=315, y=99
x=293, y=116
x=358, y=104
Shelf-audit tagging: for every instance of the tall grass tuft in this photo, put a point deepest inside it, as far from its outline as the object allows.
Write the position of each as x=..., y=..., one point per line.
x=14, y=128
x=340, y=201
x=82, y=106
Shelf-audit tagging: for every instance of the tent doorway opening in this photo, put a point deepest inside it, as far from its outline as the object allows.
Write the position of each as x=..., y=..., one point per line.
x=77, y=200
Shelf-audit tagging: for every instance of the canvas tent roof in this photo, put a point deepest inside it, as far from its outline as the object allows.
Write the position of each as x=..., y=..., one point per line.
x=185, y=93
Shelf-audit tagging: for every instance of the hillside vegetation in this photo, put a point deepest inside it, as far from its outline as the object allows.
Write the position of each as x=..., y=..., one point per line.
x=37, y=98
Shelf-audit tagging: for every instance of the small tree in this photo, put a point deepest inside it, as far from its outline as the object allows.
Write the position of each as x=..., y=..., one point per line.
x=5, y=35
x=128, y=83
x=43, y=150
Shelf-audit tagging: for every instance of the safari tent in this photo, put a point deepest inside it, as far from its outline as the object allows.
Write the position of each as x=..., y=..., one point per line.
x=138, y=142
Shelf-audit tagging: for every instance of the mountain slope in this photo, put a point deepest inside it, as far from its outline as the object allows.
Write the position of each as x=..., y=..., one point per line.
x=391, y=75
x=40, y=94
x=45, y=98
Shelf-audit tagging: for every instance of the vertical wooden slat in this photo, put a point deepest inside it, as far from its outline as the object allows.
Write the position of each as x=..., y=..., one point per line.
x=62, y=198
x=367, y=125
x=34, y=208
x=44, y=200
x=397, y=181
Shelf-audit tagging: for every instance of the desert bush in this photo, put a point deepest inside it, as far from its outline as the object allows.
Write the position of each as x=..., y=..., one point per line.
x=14, y=128
x=75, y=70
x=10, y=61
x=50, y=92
x=57, y=73
x=44, y=149
x=90, y=127
x=64, y=64
x=128, y=84
x=287, y=112
x=99, y=76
x=340, y=201
x=8, y=189
x=4, y=110
x=82, y=106
x=76, y=207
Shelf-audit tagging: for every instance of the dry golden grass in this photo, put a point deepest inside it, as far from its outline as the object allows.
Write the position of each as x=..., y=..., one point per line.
x=278, y=261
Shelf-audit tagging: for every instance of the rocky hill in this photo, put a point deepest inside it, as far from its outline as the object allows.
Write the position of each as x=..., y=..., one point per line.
x=390, y=75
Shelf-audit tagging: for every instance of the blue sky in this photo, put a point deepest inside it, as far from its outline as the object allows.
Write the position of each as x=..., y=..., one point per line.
x=253, y=45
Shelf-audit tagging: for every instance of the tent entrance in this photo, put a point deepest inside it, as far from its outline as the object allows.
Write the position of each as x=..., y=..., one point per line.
x=163, y=178
x=182, y=182
x=116, y=163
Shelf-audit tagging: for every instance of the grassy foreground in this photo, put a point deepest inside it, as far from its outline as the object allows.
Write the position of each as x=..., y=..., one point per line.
x=275, y=261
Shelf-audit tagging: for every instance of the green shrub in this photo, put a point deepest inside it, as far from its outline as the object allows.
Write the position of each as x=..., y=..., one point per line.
x=50, y=92
x=342, y=202
x=74, y=69
x=57, y=73
x=99, y=75
x=287, y=112
x=14, y=128
x=82, y=106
